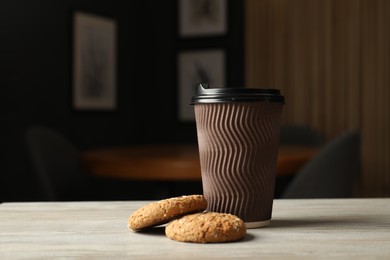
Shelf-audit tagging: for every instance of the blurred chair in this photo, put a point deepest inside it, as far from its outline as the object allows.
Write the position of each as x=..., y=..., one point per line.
x=55, y=160
x=296, y=134
x=300, y=135
x=333, y=173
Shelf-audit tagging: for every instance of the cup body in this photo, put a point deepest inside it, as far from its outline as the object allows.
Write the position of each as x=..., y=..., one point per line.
x=238, y=139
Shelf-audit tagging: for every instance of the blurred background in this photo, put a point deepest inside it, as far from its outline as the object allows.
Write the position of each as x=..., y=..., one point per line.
x=330, y=59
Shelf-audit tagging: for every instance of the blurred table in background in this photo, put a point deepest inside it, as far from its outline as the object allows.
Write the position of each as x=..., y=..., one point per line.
x=172, y=162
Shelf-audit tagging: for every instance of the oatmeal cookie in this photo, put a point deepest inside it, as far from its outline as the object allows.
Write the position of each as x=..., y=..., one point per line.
x=206, y=227
x=163, y=211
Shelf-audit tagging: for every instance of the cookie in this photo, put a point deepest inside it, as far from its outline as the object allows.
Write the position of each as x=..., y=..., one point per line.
x=163, y=211
x=206, y=227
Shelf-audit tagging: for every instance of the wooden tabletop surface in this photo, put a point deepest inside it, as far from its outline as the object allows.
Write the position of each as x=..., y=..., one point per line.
x=300, y=229
x=172, y=162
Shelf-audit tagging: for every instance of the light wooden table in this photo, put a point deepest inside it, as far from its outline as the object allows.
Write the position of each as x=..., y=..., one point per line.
x=172, y=162
x=300, y=229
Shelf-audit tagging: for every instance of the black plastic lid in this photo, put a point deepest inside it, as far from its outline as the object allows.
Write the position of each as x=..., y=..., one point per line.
x=204, y=94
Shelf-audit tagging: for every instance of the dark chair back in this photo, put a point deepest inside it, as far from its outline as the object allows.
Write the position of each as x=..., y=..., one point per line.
x=333, y=173
x=55, y=160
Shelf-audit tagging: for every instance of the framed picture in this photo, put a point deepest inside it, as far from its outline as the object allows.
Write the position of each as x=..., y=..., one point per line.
x=94, y=62
x=195, y=67
x=202, y=17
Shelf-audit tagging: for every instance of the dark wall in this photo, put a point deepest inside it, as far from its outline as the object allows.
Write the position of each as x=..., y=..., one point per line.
x=36, y=79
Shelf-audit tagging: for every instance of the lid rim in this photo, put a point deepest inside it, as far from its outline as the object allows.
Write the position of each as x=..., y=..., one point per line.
x=204, y=94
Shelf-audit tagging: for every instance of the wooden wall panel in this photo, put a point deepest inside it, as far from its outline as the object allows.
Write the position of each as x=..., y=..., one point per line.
x=330, y=58
x=375, y=82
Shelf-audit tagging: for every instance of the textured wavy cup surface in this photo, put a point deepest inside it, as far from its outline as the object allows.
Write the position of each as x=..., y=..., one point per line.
x=238, y=147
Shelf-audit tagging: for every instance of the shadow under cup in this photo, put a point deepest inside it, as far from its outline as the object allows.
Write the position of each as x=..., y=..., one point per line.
x=238, y=138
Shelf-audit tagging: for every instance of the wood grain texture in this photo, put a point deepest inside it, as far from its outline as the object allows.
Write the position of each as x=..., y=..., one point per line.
x=300, y=229
x=331, y=61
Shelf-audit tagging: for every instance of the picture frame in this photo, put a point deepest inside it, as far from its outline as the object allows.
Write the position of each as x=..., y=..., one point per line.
x=94, y=62
x=202, y=17
x=195, y=67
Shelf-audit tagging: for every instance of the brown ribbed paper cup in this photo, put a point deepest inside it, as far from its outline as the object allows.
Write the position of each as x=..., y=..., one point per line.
x=238, y=138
